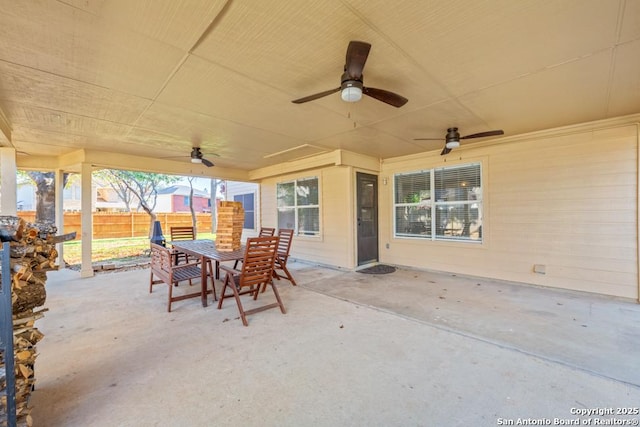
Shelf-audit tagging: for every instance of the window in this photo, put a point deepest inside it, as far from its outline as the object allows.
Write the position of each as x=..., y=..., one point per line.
x=185, y=201
x=247, y=201
x=439, y=204
x=298, y=206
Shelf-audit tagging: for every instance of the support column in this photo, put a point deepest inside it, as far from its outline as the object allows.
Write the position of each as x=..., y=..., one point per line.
x=214, y=207
x=9, y=186
x=86, y=218
x=638, y=209
x=59, y=188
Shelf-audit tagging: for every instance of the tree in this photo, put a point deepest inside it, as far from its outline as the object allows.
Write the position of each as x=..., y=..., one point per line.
x=143, y=185
x=122, y=191
x=215, y=184
x=194, y=221
x=45, y=194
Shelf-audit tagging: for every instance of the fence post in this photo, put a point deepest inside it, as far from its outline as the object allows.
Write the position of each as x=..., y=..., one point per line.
x=166, y=221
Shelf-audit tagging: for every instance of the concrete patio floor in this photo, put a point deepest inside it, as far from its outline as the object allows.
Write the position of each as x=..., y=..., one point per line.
x=408, y=348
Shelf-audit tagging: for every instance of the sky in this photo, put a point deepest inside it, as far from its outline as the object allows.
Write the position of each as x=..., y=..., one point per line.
x=203, y=184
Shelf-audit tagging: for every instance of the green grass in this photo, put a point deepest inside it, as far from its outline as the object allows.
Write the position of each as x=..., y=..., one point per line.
x=113, y=249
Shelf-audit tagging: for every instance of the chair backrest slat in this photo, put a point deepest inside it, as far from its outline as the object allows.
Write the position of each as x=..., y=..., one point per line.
x=286, y=236
x=160, y=257
x=182, y=233
x=267, y=231
x=259, y=258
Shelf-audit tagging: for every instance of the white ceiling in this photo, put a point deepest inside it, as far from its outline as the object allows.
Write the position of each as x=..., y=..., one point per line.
x=152, y=78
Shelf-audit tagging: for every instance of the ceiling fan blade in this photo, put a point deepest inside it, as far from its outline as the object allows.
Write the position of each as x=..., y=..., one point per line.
x=483, y=134
x=427, y=139
x=207, y=163
x=357, y=54
x=445, y=150
x=316, y=96
x=385, y=96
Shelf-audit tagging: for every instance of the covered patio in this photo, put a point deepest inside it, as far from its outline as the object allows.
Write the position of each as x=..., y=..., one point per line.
x=543, y=95
x=407, y=348
x=544, y=205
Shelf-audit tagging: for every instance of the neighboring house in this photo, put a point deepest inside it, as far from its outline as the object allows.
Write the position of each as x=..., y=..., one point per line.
x=249, y=195
x=26, y=196
x=175, y=198
x=72, y=198
x=105, y=198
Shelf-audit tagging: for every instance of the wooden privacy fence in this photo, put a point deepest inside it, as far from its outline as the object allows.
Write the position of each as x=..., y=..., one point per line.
x=113, y=225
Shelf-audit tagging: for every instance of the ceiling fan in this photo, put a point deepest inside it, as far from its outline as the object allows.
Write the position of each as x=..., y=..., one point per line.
x=351, y=83
x=452, y=138
x=197, y=157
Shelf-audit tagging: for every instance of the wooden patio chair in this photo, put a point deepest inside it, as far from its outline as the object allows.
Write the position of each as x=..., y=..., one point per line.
x=182, y=233
x=267, y=231
x=264, y=232
x=284, y=246
x=164, y=269
x=257, y=272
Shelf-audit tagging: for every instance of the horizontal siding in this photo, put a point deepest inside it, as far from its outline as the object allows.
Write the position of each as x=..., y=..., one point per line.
x=566, y=201
x=268, y=206
x=335, y=245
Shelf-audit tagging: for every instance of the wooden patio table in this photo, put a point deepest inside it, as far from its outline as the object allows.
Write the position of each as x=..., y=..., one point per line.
x=206, y=250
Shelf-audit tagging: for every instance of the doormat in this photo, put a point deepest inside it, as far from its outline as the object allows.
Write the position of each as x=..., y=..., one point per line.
x=378, y=269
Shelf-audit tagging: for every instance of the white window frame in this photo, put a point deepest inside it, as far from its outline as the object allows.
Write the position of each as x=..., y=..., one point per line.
x=297, y=208
x=426, y=200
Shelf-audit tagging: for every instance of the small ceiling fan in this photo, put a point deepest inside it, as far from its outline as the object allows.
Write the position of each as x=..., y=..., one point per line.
x=197, y=157
x=351, y=83
x=452, y=138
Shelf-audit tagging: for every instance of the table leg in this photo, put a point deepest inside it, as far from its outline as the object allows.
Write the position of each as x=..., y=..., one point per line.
x=215, y=275
x=203, y=280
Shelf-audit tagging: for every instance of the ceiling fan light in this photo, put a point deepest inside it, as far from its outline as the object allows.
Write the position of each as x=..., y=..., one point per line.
x=196, y=160
x=452, y=144
x=351, y=94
